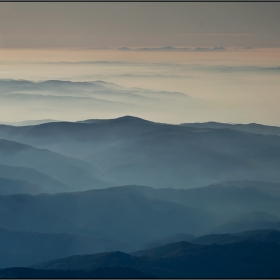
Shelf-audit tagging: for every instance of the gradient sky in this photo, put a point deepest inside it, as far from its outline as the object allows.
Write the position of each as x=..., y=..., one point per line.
x=237, y=82
x=139, y=24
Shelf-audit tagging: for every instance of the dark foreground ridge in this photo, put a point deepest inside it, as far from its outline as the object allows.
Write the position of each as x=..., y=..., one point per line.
x=36, y=228
x=247, y=259
x=108, y=272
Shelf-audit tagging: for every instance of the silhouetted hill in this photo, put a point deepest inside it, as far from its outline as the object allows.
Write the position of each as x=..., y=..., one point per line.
x=8, y=186
x=251, y=127
x=255, y=235
x=83, y=131
x=262, y=235
x=130, y=150
x=113, y=213
x=135, y=215
x=267, y=234
x=22, y=248
x=218, y=239
x=138, y=215
x=141, y=214
x=94, y=98
x=87, y=262
x=72, y=172
x=126, y=120
x=266, y=187
x=107, y=273
x=170, y=239
x=228, y=200
x=248, y=222
x=47, y=184
x=186, y=260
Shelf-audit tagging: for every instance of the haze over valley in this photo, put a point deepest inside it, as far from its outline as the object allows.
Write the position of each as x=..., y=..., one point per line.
x=139, y=140
x=128, y=184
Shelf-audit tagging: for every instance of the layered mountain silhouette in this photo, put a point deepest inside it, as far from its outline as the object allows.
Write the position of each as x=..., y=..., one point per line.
x=23, y=248
x=58, y=99
x=130, y=218
x=44, y=183
x=128, y=197
x=130, y=150
x=171, y=239
x=252, y=127
x=253, y=235
x=75, y=173
x=247, y=259
x=264, y=235
x=232, y=201
x=8, y=186
x=114, y=213
x=107, y=273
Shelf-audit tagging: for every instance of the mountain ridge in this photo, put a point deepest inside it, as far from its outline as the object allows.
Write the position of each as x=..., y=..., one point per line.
x=187, y=260
x=130, y=150
x=53, y=164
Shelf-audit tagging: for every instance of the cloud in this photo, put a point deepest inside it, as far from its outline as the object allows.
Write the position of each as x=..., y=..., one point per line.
x=224, y=68
x=167, y=48
x=77, y=100
x=216, y=34
x=87, y=62
x=128, y=75
x=87, y=91
x=216, y=49
x=173, y=49
x=178, y=66
x=124, y=49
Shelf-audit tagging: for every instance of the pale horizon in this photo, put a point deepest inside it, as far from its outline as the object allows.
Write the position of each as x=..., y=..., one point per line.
x=224, y=57
x=223, y=86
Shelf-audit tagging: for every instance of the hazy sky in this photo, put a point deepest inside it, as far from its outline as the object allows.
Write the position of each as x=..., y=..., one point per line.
x=229, y=74
x=239, y=86
x=139, y=24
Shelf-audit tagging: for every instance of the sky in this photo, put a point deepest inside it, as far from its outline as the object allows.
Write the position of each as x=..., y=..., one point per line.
x=98, y=24
x=166, y=62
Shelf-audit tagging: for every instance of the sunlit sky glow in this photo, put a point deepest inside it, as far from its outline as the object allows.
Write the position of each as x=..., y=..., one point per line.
x=224, y=56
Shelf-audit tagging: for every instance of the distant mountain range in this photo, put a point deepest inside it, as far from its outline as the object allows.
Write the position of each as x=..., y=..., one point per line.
x=132, y=198
x=130, y=218
x=67, y=171
x=252, y=127
x=73, y=100
x=44, y=182
x=115, y=213
x=29, y=122
x=8, y=187
x=240, y=259
x=22, y=248
x=130, y=150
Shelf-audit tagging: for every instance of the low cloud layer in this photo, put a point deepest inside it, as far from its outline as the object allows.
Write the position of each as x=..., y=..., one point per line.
x=173, y=49
x=171, y=87
x=78, y=100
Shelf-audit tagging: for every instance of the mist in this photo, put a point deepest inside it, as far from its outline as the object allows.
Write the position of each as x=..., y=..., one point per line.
x=237, y=86
x=139, y=140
